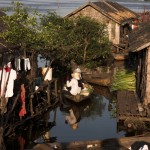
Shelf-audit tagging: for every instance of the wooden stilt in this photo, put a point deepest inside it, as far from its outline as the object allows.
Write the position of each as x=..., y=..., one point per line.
x=31, y=104
x=56, y=90
x=30, y=131
x=48, y=93
x=54, y=119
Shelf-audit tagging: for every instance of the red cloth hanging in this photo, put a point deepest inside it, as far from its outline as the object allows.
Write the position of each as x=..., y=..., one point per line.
x=22, y=98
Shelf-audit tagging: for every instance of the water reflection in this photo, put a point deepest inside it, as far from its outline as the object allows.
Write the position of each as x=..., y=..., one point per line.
x=32, y=132
x=92, y=108
x=93, y=119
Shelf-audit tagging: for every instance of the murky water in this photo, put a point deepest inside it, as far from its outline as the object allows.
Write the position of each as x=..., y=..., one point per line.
x=95, y=122
x=63, y=7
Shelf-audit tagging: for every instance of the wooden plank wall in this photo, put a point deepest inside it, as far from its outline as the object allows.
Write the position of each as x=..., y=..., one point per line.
x=147, y=92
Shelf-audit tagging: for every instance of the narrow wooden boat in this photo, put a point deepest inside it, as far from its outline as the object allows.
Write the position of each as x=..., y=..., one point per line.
x=76, y=98
x=85, y=94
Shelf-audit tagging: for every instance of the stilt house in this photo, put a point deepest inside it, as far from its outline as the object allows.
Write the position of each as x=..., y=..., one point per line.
x=140, y=45
x=117, y=18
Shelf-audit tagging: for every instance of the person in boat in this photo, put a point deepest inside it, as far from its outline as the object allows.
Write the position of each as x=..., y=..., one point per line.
x=75, y=85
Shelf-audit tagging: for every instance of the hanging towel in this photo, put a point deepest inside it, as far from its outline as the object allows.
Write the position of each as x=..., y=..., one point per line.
x=10, y=85
x=27, y=64
x=17, y=64
x=22, y=99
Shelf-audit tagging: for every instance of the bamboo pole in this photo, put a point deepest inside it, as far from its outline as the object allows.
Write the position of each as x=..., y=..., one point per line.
x=48, y=93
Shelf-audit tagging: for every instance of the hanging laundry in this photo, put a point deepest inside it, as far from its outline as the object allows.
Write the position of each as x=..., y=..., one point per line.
x=8, y=75
x=27, y=64
x=22, y=99
x=2, y=81
x=10, y=85
x=22, y=64
x=17, y=64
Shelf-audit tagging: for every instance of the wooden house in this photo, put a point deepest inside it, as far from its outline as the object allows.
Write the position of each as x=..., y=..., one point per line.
x=133, y=107
x=139, y=43
x=116, y=17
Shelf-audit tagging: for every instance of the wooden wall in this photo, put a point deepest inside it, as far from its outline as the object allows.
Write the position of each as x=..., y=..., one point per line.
x=147, y=92
x=113, y=27
x=143, y=76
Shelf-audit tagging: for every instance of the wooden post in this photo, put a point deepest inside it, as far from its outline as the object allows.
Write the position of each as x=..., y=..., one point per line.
x=48, y=93
x=56, y=90
x=54, y=119
x=31, y=104
x=30, y=130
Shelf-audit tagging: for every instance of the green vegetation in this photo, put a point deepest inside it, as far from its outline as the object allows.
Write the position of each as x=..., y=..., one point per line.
x=62, y=39
x=21, y=28
x=124, y=80
x=92, y=39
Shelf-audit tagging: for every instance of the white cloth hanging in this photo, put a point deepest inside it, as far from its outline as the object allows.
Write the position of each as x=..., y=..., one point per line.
x=27, y=64
x=10, y=85
x=3, y=81
x=17, y=64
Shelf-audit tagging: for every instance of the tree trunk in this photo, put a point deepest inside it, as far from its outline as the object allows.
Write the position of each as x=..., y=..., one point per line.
x=34, y=66
x=85, y=51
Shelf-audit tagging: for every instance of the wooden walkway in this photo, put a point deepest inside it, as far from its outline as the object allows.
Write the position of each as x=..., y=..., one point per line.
x=128, y=114
x=127, y=103
x=108, y=144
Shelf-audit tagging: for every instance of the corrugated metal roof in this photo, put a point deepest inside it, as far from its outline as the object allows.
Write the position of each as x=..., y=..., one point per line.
x=140, y=38
x=112, y=10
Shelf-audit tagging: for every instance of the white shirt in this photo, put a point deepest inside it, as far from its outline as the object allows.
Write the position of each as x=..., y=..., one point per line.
x=10, y=85
x=75, y=89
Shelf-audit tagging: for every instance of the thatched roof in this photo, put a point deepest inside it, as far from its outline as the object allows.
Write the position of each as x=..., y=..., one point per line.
x=110, y=9
x=140, y=38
